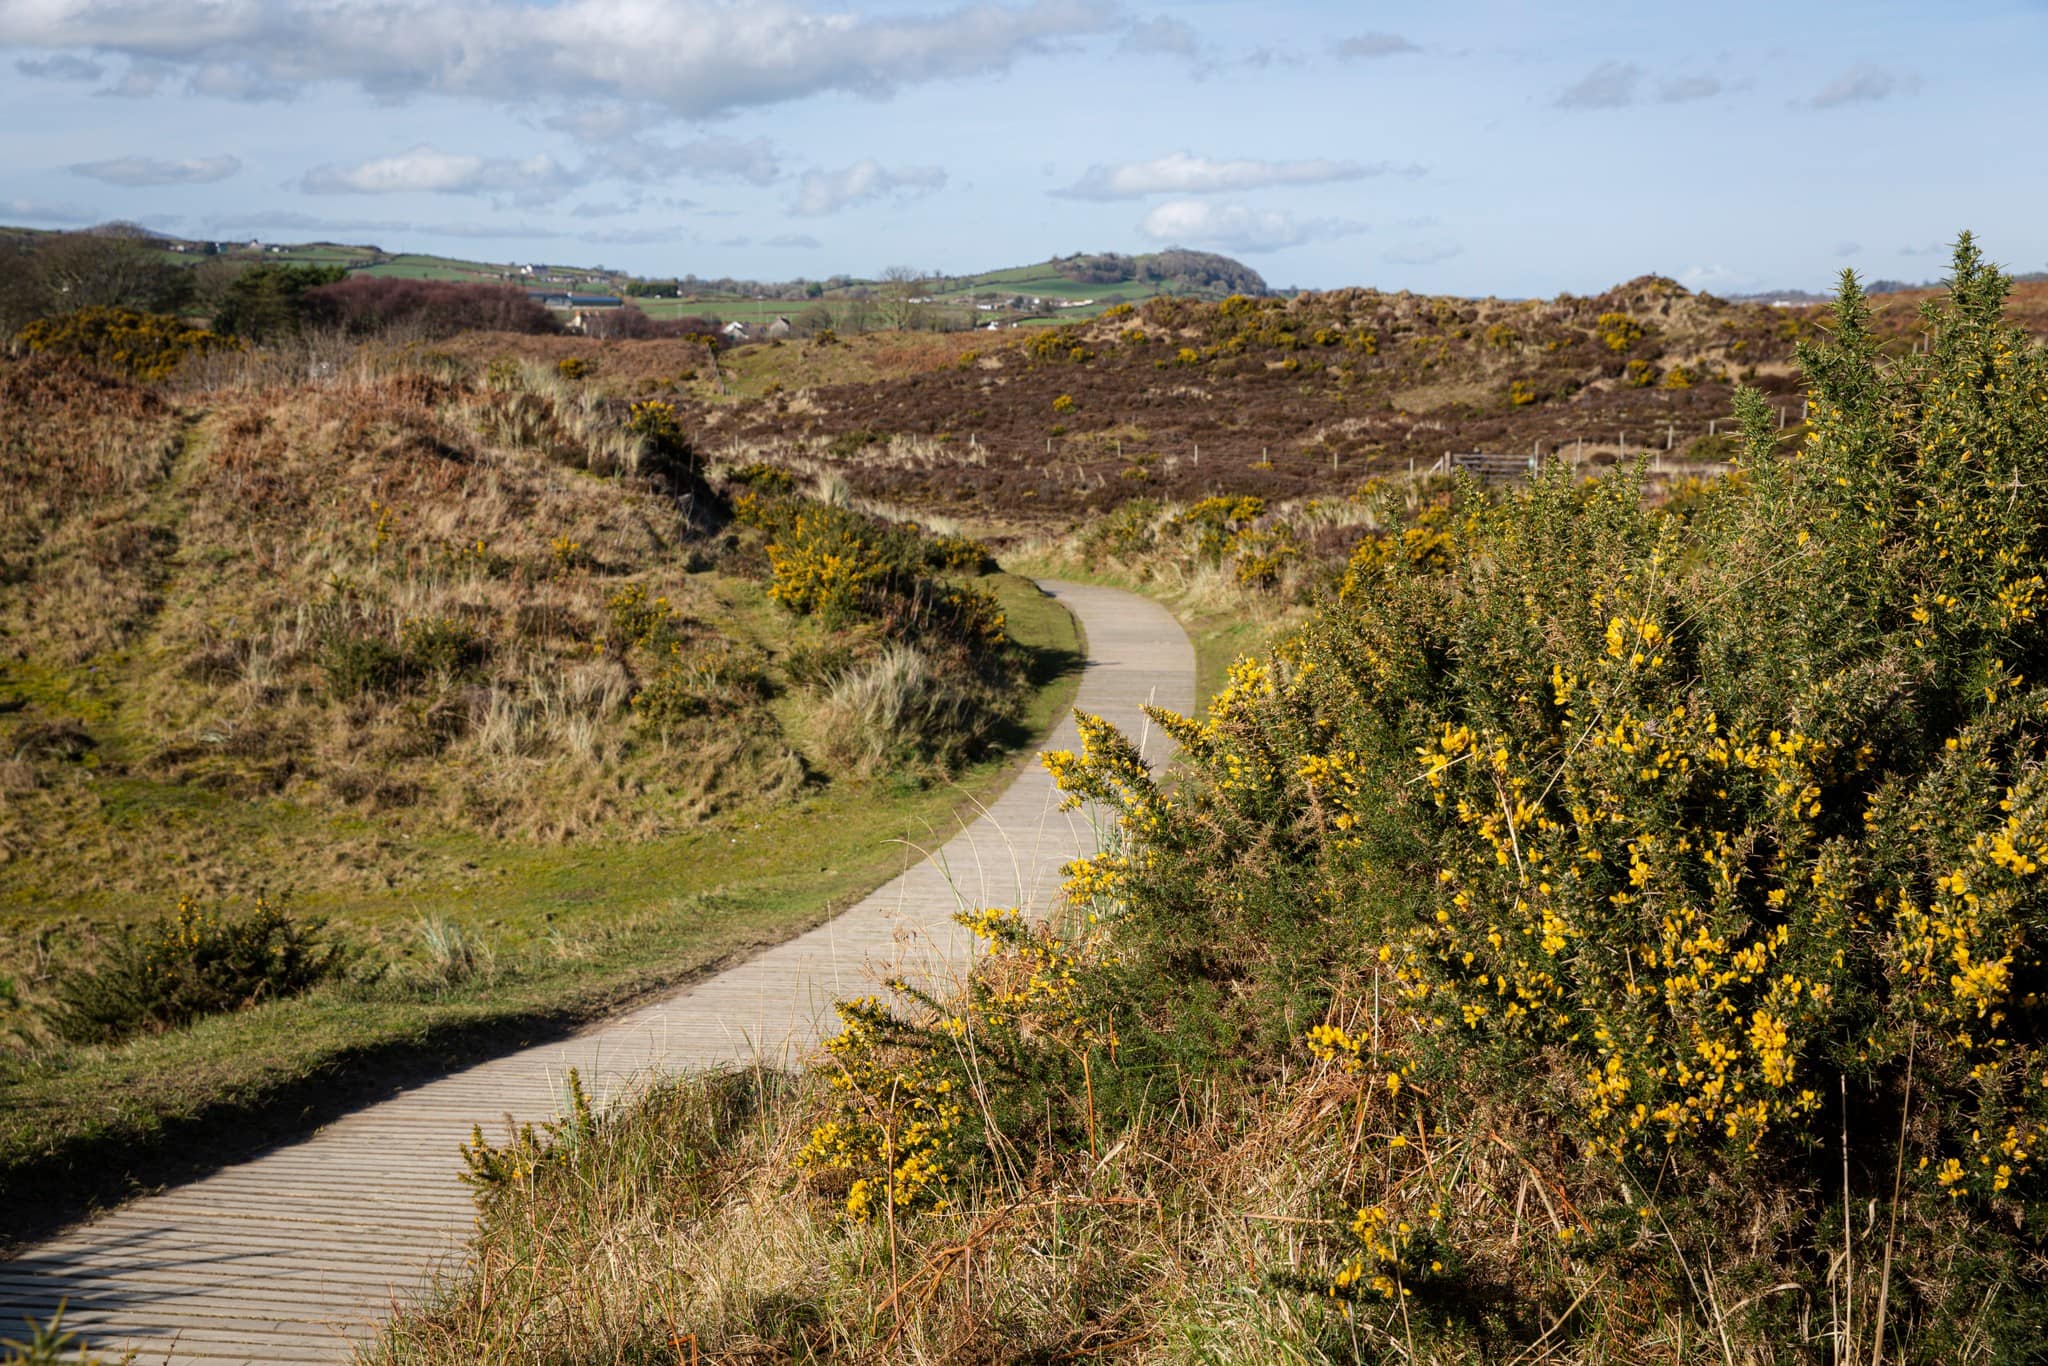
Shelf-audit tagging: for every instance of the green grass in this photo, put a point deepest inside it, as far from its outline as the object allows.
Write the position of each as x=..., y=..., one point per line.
x=577, y=930
x=411, y=267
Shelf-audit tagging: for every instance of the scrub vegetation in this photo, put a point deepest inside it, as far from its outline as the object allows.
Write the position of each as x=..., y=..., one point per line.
x=1594, y=930
x=383, y=715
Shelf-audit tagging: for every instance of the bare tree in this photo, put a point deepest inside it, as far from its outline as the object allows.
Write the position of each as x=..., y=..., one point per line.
x=900, y=303
x=107, y=268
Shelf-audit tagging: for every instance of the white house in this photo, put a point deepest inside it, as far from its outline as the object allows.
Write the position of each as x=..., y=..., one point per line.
x=734, y=331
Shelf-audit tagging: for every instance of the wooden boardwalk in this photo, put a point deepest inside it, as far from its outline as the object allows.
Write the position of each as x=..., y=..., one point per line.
x=297, y=1254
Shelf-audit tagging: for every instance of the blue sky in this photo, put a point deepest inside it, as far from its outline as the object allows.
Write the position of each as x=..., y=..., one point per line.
x=1481, y=148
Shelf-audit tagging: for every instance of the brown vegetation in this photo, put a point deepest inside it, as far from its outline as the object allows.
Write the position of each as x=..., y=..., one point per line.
x=1272, y=396
x=501, y=605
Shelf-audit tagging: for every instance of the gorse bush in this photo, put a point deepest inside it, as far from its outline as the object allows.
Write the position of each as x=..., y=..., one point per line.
x=147, y=346
x=825, y=563
x=713, y=678
x=1713, y=821
x=1702, y=858
x=188, y=965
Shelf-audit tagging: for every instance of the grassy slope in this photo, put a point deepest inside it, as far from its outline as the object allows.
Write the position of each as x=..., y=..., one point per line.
x=584, y=929
x=141, y=534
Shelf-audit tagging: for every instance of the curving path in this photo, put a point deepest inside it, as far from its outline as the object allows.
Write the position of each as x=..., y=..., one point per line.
x=297, y=1254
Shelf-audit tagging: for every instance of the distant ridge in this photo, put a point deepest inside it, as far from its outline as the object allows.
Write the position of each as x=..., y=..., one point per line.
x=1808, y=296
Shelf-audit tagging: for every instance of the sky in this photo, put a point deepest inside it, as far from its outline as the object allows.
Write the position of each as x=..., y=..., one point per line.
x=1505, y=148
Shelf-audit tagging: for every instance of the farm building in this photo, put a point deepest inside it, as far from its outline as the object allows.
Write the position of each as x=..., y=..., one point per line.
x=778, y=329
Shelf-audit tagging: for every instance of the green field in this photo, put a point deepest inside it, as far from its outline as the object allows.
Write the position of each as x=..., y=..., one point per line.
x=415, y=267
x=953, y=307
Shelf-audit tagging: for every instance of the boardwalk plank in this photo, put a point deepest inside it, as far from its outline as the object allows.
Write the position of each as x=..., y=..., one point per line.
x=269, y=1260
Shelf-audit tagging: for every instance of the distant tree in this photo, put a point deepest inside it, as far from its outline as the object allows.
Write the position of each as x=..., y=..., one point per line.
x=265, y=302
x=112, y=267
x=1200, y=272
x=366, y=305
x=896, y=302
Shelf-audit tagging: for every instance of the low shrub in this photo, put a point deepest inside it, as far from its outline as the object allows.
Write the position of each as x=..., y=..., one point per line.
x=713, y=678
x=146, y=346
x=958, y=554
x=1212, y=524
x=188, y=965
x=1618, y=331
x=846, y=445
x=370, y=305
x=356, y=664
x=1692, y=843
x=826, y=564
x=818, y=667
x=665, y=449
x=636, y=619
x=1708, y=913
x=903, y=710
x=442, y=647
x=768, y=480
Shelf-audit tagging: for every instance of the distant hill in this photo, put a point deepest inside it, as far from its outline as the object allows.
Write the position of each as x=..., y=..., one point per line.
x=1070, y=287
x=1809, y=296
x=1175, y=271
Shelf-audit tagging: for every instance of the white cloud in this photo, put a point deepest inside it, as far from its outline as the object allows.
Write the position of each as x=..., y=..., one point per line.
x=1375, y=44
x=801, y=241
x=429, y=170
x=62, y=67
x=44, y=211
x=604, y=122
x=1863, y=84
x=1427, y=252
x=1161, y=36
x=692, y=57
x=141, y=81
x=1184, y=173
x=1679, y=89
x=286, y=220
x=630, y=237
x=1237, y=227
x=227, y=81
x=823, y=192
x=289, y=221
x=1607, y=86
x=753, y=160
x=148, y=171
x=1716, y=277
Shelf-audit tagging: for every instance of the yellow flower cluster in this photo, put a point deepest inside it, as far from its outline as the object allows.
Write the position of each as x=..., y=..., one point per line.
x=1696, y=1022
x=899, y=1117
x=1109, y=769
x=1383, y=1237
x=822, y=566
